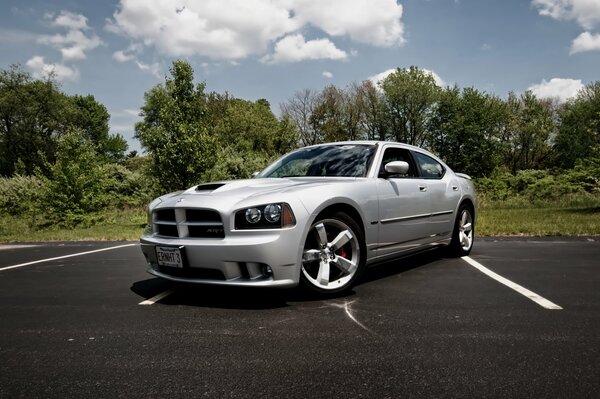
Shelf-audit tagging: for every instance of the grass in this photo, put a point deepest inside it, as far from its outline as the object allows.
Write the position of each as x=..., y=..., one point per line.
x=510, y=218
x=115, y=225
x=538, y=222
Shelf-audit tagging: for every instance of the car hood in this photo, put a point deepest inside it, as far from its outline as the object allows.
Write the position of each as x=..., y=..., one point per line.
x=229, y=194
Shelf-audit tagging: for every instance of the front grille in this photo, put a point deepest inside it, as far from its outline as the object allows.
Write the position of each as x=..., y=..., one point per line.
x=184, y=223
x=167, y=230
x=202, y=215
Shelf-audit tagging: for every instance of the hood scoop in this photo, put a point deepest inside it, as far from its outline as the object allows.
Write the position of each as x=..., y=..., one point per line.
x=209, y=187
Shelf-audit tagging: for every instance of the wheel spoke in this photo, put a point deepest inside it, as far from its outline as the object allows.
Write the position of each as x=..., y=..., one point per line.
x=340, y=240
x=323, y=276
x=463, y=239
x=467, y=227
x=345, y=265
x=311, y=255
x=463, y=218
x=320, y=228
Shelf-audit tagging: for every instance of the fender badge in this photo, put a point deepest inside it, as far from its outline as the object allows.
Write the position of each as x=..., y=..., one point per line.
x=181, y=200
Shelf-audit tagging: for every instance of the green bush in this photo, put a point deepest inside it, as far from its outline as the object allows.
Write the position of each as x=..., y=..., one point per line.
x=76, y=189
x=126, y=188
x=19, y=194
x=579, y=186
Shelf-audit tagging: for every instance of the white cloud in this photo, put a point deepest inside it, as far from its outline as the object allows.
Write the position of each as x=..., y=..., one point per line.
x=67, y=19
x=585, y=42
x=486, y=47
x=154, y=69
x=40, y=70
x=128, y=54
x=327, y=74
x=380, y=76
x=219, y=29
x=563, y=89
x=75, y=43
x=236, y=29
x=374, y=22
x=585, y=12
x=294, y=48
x=123, y=56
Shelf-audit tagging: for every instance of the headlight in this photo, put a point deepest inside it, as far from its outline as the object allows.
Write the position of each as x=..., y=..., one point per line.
x=269, y=216
x=273, y=213
x=253, y=215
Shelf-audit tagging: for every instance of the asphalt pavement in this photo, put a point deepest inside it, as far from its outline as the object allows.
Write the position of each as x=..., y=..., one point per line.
x=425, y=326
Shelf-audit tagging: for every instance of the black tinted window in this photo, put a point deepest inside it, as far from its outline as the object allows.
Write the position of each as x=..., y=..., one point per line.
x=430, y=168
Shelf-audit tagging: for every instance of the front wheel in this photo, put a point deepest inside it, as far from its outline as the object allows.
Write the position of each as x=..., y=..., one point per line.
x=464, y=232
x=333, y=257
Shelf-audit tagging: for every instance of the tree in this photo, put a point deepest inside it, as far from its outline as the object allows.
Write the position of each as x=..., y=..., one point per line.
x=92, y=117
x=174, y=130
x=327, y=118
x=529, y=127
x=410, y=95
x=579, y=130
x=251, y=135
x=374, y=120
x=466, y=128
x=300, y=109
x=34, y=113
x=31, y=113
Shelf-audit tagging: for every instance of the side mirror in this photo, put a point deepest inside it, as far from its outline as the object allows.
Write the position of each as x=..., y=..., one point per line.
x=396, y=168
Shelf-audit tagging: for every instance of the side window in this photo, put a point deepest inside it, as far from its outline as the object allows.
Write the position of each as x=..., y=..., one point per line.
x=397, y=154
x=430, y=168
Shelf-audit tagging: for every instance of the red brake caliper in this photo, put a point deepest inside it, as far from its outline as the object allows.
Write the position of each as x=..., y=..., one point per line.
x=342, y=252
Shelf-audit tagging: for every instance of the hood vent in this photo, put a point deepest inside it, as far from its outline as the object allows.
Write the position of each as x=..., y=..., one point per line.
x=209, y=186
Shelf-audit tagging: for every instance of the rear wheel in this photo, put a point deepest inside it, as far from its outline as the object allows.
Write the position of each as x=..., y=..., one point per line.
x=464, y=232
x=334, y=255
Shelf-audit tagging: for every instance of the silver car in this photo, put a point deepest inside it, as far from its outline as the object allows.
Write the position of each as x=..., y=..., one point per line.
x=318, y=216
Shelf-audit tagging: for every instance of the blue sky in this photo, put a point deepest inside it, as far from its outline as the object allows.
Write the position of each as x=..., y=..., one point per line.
x=253, y=49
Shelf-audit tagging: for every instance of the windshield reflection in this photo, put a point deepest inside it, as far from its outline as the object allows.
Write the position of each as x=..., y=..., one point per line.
x=348, y=160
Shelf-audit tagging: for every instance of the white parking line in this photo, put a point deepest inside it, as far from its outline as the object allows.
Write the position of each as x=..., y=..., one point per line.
x=64, y=257
x=157, y=298
x=543, y=302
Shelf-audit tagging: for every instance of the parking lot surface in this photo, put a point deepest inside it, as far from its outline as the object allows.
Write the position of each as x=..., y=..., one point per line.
x=97, y=325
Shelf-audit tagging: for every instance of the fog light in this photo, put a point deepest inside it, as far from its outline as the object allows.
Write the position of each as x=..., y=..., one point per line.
x=267, y=271
x=253, y=215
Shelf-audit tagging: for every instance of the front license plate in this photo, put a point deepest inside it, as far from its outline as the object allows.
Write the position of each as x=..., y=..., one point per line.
x=169, y=256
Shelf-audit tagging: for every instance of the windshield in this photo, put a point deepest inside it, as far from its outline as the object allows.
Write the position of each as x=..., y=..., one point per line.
x=345, y=160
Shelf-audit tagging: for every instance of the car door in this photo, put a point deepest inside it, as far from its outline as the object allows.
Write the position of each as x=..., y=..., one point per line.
x=444, y=194
x=403, y=206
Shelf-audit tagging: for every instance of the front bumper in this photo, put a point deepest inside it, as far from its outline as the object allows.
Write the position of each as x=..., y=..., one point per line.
x=260, y=258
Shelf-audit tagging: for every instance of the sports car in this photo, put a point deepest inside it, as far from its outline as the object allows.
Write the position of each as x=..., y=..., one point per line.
x=317, y=216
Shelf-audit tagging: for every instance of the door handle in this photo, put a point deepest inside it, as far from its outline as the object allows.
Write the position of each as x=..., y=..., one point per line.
x=455, y=188
x=423, y=188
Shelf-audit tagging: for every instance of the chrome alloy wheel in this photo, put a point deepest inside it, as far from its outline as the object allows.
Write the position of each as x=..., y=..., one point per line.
x=465, y=230
x=331, y=255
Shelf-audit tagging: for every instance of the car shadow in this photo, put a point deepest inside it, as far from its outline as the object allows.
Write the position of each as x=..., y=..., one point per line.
x=252, y=298
x=401, y=265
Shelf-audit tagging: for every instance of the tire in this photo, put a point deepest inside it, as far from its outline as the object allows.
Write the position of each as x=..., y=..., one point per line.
x=334, y=255
x=463, y=234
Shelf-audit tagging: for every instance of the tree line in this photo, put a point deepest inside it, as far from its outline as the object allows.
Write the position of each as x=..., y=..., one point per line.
x=473, y=131
x=58, y=159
